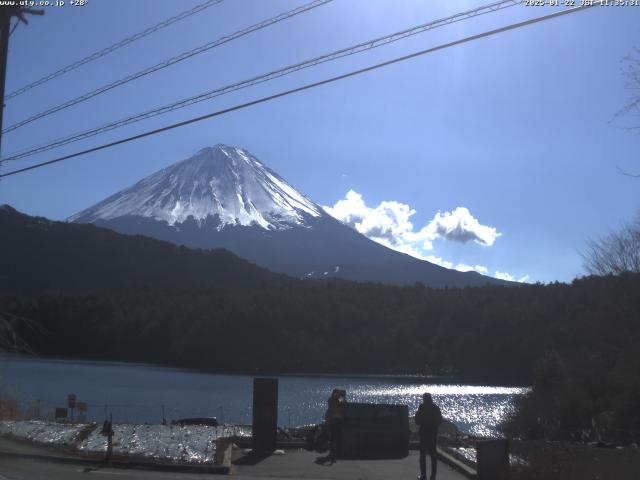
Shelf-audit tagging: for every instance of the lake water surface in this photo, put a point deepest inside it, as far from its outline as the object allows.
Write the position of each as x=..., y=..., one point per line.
x=140, y=393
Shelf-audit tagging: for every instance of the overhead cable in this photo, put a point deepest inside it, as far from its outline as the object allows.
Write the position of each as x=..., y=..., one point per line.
x=167, y=63
x=112, y=48
x=361, y=47
x=471, y=38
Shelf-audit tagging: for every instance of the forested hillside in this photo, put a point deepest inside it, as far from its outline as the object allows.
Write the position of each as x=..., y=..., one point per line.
x=39, y=254
x=480, y=332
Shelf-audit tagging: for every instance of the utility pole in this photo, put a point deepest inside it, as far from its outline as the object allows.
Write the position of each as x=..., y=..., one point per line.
x=6, y=14
x=4, y=49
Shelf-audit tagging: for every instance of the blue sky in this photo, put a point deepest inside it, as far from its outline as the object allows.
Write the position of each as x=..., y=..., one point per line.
x=501, y=153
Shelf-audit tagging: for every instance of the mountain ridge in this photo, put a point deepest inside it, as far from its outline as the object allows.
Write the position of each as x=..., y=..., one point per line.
x=224, y=197
x=39, y=254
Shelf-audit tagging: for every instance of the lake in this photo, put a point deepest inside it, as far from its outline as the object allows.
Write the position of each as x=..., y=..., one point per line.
x=141, y=393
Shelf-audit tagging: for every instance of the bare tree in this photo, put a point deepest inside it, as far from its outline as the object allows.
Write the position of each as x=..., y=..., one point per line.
x=10, y=341
x=616, y=253
x=631, y=73
x=619, y=252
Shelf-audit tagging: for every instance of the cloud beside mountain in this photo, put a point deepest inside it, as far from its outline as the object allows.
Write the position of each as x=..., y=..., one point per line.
x=390, y=224
x=460, y=226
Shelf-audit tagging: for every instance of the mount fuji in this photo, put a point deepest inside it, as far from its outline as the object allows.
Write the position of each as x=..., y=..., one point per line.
x=224, y=197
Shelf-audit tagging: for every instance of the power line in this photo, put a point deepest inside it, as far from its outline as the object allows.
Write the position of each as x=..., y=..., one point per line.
x=169, y=62
x=12, y=9
x=368, y=45
x=114, y=47
x=308, y=86
x=13, y=29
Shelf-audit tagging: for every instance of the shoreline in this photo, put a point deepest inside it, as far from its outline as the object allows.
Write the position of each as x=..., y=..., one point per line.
x=401, y=377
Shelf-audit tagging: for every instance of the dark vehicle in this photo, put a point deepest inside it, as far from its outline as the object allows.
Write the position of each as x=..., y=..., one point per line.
x=210, y=421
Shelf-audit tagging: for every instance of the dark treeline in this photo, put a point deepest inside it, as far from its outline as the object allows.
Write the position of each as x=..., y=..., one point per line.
x=577, y=344
x=342, y=327
x=38, y=254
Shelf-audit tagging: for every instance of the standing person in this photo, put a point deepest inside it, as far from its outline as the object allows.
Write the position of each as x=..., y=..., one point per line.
x=429, y=418
x=335, y=418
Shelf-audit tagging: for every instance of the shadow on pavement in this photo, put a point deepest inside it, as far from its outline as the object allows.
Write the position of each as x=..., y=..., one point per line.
x=325, y=461
x=252, y=458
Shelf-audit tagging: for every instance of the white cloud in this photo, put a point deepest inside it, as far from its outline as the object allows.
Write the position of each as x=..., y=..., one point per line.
x=439, y=261
x=389, y=224
x=410, y=250
x=461, y=267
x=460, y=226
x=510, y=278
x=504, y=276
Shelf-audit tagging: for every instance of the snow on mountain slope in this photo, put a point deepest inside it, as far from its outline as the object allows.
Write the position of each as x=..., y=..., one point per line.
x=223, y=197
x=225, y=181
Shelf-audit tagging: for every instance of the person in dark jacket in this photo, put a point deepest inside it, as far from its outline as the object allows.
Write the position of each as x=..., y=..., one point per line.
x=429, y=418
x=335, y=419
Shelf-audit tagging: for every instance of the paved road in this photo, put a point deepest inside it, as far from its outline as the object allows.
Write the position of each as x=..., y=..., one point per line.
x=21, y=469
x=301, y=464
x=294, y=464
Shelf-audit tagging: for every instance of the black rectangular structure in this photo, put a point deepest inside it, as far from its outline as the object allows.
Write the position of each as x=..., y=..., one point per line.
x=493, y=459
x=265, y=414
x=375, y=431
x=60, y=414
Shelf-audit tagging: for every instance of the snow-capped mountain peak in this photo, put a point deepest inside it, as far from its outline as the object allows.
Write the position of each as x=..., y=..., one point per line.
x=222, y=181
x=224, y=197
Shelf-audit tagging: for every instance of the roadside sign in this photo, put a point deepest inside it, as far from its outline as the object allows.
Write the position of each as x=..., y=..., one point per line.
x=61, y=413
x=71, y=400
x=81, y=406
